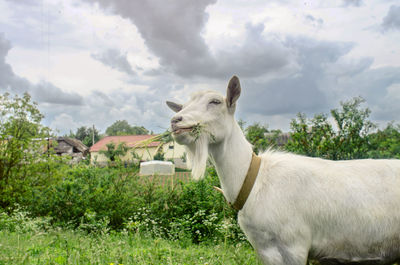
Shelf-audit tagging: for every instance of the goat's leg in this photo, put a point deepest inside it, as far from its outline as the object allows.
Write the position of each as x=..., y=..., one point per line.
x=280, y=255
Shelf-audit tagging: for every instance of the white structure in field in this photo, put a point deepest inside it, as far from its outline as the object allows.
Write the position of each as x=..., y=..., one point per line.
x=157, y=168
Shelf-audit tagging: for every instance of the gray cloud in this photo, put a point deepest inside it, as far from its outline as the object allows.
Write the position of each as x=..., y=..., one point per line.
x=302, y=91
x=316, y=22
x=42, y=92
x=173, y=33
x=381, y=89
x=352, y=2
x=392, y=19
x=49, y=93
x=324, y=79
x=115, y=59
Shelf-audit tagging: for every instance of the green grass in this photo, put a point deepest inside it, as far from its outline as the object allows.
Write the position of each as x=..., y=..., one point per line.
x=74, y=247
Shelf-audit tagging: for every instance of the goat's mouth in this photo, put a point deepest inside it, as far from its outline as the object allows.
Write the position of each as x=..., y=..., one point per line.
x=177, y=130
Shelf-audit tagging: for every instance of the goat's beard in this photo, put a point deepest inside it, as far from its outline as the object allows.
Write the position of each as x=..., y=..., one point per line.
x=197, y=154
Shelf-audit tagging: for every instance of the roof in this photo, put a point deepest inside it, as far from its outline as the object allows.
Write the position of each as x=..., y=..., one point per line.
x=75, y=143
x=129, y=140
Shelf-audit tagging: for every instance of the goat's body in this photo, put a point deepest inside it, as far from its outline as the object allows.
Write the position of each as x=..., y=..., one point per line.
x=300, y=207
x=343, y=211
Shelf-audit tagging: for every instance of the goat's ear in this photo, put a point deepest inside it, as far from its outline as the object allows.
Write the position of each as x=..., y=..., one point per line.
x=233, y=91
x=174, y=106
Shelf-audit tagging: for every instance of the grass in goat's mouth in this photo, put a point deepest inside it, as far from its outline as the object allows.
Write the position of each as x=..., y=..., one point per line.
x=196, y=131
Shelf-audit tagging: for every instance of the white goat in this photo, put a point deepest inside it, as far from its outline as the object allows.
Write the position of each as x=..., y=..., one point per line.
x=299, y=207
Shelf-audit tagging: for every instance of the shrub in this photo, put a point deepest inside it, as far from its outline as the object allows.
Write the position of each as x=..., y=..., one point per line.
x=97, y=199
x=385, y=143
x=109, y=193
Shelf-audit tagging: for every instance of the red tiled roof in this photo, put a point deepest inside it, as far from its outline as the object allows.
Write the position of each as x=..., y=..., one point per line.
x=129, y=140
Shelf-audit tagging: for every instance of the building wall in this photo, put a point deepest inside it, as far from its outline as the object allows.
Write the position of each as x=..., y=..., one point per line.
x=176, y=152
x=171, y=151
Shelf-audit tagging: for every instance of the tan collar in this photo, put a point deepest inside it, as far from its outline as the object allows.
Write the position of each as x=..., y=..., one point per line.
x=248, y=183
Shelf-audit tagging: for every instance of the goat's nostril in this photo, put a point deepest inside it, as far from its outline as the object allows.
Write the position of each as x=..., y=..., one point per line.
x=176, y=119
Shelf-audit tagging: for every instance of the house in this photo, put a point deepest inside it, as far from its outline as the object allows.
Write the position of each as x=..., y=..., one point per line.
x=280, y=139
x=70, y=146
x=139, y=149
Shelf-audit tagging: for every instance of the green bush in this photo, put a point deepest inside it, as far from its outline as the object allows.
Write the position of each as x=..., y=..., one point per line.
x=385, y=143
x=97, y=199
x=191, y=211
x=109, y=193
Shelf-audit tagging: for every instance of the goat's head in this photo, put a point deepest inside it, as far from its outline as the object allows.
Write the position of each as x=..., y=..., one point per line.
x=206, y=119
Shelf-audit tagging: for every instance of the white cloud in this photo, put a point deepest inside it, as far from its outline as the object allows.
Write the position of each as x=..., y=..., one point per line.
x=63, y=123
x=352, y=2
x=43, y=91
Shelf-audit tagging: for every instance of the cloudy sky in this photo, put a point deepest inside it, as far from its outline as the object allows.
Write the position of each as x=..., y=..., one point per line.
x=97, y=61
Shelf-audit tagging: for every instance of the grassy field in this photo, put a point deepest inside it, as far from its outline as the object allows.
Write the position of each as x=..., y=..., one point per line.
x=73, y=247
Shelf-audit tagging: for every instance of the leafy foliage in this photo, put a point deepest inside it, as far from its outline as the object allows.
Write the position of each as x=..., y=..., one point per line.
x=24, y=162
x=317, y=137
x=124, y=128
x=114, y=152
x=260, y=137
x=255, y=134
x=97, y=199
x=385, y=143
x=89, y=195
x=354, y=125
x=312, y=137
x=159, y=156
x=85, y=134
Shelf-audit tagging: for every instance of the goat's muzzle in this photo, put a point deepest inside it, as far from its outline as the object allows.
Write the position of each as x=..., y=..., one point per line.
x=178, y=130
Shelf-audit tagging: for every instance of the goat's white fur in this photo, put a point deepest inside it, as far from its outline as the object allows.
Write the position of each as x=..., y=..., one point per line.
x=299, y=207
x=197, y=155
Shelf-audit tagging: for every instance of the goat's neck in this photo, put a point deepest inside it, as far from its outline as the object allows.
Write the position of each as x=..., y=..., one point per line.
x=232, y=159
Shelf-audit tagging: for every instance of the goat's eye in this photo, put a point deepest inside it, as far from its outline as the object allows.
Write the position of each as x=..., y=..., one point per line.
x=215, y=102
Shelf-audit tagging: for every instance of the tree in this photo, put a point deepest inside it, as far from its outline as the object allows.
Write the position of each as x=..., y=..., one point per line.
x=114, y=152
x=85, y=134
x=353, y=128
x=317, y=137
x=312, y=137
x=255, y=134
x=260, y=137
x=122, y=127
x=385, y=143
x=24, y=162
